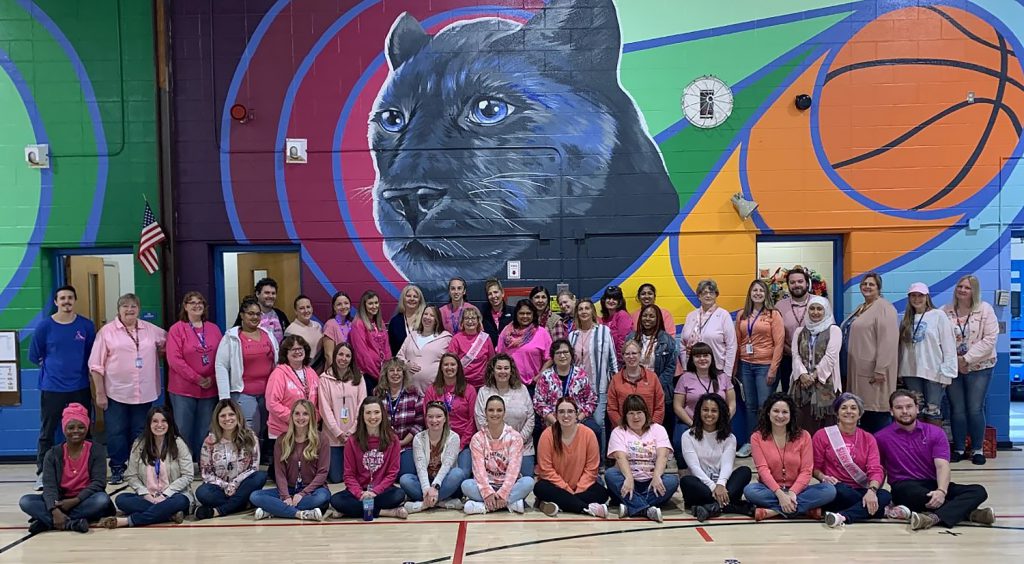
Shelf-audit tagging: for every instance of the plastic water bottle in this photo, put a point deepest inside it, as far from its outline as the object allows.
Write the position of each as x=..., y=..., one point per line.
x=368, y=509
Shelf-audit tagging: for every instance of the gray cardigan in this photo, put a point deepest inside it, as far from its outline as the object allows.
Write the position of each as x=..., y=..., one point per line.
x=53, y=470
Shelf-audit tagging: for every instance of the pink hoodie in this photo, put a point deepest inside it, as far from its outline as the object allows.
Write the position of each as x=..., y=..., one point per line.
x=284, y=389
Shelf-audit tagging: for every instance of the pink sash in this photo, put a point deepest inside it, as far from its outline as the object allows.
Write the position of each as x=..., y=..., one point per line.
x=474, y=349
x=835, y=438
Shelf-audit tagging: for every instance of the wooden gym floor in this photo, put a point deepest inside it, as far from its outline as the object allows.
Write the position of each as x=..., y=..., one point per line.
x=447, y=536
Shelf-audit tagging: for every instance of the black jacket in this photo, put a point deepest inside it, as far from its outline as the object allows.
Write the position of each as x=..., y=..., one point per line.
x=488, y=318
x=53, y=470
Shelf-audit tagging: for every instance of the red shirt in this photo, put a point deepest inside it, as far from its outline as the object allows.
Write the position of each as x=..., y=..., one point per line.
x=257, y=362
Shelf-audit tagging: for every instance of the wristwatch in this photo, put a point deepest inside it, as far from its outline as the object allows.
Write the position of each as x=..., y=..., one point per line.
x=873, y=488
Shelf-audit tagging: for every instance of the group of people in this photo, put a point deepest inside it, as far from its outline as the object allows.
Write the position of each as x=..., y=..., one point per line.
x=473, y=408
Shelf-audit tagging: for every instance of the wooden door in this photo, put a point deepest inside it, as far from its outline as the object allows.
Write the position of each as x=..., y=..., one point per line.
x=282, y=267
x=86, y=275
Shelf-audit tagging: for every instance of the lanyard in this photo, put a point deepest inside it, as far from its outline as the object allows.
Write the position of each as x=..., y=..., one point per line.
x=568, y=381
x=156, y=468
x=200, y=335
x=298, y=479
x=702, y=323
x=751, y=322
x=917, y=326
x=455, y=317
x=792, y=309
x=393, y=404
x=707, y=389
x=134, y=338
x=303, y=380
x=965, y=328
x=449, y=399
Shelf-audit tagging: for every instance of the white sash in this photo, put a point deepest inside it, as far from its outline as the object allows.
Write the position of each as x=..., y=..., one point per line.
x=835, y=438
x=474, y=349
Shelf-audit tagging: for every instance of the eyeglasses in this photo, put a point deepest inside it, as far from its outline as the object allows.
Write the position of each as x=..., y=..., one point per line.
x=563, y=352
x=193, y=303
x=297, y=349
x=567, y=412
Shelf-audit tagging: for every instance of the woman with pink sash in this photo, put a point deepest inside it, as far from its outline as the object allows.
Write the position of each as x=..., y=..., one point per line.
x=473, y=347
x=846, y=456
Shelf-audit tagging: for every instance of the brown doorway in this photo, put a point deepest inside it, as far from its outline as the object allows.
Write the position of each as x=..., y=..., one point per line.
x=243, y=269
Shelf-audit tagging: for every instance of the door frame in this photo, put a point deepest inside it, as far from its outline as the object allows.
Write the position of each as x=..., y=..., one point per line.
x=839, y=281
x=220, y=308
x=58, y=254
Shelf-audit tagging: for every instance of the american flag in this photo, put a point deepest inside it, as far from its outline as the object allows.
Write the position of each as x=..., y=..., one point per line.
x=151, y=236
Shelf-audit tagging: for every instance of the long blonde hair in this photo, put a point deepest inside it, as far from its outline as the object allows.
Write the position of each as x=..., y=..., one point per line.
x=312, y=450
x=975, y=291
x=419, y=309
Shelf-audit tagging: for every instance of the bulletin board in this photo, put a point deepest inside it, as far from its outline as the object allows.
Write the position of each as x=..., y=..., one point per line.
x=10, y=369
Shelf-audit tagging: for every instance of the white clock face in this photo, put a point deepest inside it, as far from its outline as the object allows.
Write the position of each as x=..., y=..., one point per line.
x=707, y=102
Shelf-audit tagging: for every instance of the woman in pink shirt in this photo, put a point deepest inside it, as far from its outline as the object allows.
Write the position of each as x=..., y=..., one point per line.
x=784, y=459
x=645, y=296
x=369, y=338
x=337, y=328
x=291, y=381
x=371, y=466
x=527, y=343
x=457, y=306
x=191, y=378
x=712, y=325
x=422, y=349
x=451, y=388
x=846, y=456
x=340, y=393
x=760, y=337
x=125, y=368
x=615, y=316
x=497, y=457
x=473, y=347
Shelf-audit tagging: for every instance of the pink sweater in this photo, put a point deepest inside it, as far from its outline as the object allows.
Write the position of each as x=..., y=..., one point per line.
x=427, y=356
x=186, y=348
x=339, y=406
x=620, y=325
x=460, y=414
x=496, y=462
x=371, y=347
x=284, y=389
x=797, y=457
x=373, y=469
x=863, y=449
x=529, y=357
x=477, y=368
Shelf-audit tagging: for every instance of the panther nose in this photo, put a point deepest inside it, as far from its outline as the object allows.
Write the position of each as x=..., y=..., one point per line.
x=414, y=203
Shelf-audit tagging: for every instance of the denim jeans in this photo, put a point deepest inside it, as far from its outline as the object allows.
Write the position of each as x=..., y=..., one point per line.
x=51, y=409
x=526, y=468
x=269, y=500
x=465, y=462
x=644, y=495
x=967, y=408
x=345, y=503
x=450, y=487
x=849, y=503
x=193, y=419
x=931, y=393
x=214, y=496
x=91, y=508
x=142, y=512
x=677, y=442
x=521, y=489
x=407, y=462
x=254, y=409
x=755, y=391
x=812, y=497
x=336, y=473
x=124, y=422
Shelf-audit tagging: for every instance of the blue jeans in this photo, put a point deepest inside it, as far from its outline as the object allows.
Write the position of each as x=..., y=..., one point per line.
x=644, y=495
x=406, y=462
x=254, y=409
x=521, y=489
x=755, y=391
x=91, y=509
x=465, y=462
x=141, y=512
x=811, y=498
x=677, y=442
x=526, y=468
x=193, y=419
x=347, y=504
x=450, y=486
x=124, y=422
x=848, y=503
x=967, y=408
x=336, y=473
x=269, y=500
x=931, y=393
x=214, y=496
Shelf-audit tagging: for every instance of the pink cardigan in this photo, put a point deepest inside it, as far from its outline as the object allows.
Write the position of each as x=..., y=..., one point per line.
x=718, y=332
x=371, y=347
x=333, y=396
x=769, y=459
x=284, y=389
x=185, y=359
x=829, y=365
x=428, y=357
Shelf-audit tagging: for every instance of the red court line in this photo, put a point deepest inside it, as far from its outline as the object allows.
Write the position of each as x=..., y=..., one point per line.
x=460, y=544
x=704, y=534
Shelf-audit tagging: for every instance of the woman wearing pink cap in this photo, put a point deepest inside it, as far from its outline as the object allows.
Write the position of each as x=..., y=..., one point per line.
x=74, y=481
x=927, y=351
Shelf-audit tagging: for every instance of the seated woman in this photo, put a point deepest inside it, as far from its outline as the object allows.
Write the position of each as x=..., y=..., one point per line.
x=160, y=475
x=502, y=379
x=302, y=457
x=438, y=479
x=230, y=464
x=74, y=480
x=371, y=466
x=715, y=485
x=641, y=449
x=784, y=458
x=846, y=456
x=451, y=388
x=565, y=379
x=497, y=455
x=702, y=376
x=567, y=461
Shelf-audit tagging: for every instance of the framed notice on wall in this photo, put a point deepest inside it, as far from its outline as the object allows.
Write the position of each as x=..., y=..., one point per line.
x=10, y=371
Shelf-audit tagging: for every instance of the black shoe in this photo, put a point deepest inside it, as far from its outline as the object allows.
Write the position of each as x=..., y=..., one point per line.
x=36, y=527
x=700, y=512
x=957, y=456
x=741, y=507
x=116, y=477
x=978, y=459
x=203, y=512
x=77, y=525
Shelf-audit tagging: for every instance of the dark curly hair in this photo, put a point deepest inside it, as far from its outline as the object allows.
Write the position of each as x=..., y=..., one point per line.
x=764, y=416
x=723, y=427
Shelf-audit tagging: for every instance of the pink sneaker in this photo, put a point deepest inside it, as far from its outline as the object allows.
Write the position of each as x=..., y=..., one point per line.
x=897, y=512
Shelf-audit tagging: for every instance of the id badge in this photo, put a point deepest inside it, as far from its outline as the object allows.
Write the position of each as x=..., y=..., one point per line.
x=748, y=348
x=206, y=359
x=138, y=362
x=961, y=349
x=344, y=415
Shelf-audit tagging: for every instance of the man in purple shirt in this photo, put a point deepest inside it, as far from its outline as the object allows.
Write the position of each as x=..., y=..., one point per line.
x=915, y=456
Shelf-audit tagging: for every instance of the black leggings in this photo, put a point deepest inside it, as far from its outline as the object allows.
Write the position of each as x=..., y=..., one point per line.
x=568, y=501
x=696, y=492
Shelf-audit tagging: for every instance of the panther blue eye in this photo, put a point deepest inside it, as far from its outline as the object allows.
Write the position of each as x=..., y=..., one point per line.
x=490, y=111
x=391, y=120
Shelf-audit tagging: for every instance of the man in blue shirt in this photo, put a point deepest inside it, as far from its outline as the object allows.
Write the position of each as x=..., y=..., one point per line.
x=60, y=346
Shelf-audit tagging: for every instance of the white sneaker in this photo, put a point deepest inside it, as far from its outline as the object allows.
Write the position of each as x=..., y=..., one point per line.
x=654, y=514
x=454, y=503
x=599, y=510
x=39, y=483
x=744, y=451
x=311, y=515
x=549, y=508
x=413, y=506
x=897, y=512
x=261, y=514
x=517, y=507
x=623, y=511
x=834, y=520
x=474, y=508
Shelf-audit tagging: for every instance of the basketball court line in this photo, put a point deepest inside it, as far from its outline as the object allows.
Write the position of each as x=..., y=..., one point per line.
x=704, y=534
x=15, y=543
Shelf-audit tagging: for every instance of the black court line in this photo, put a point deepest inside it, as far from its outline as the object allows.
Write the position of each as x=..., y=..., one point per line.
x=15, y=543
x=692, y=526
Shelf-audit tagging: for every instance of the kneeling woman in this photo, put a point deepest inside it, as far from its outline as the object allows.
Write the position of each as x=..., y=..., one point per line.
x=567, y=461
x=302, y=457
x=160, y=474
x=784, y=458
x=230, y=463
x=846, y=456
x=74, y=480
x=641, y=449
x=497, y=457
x=438, y=479
x=715, y=485
x=371, y=466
